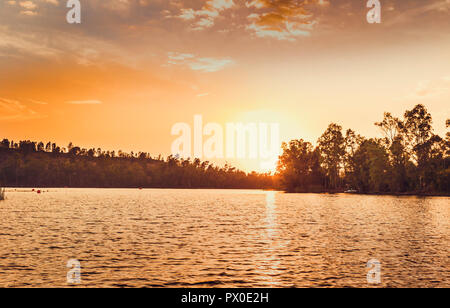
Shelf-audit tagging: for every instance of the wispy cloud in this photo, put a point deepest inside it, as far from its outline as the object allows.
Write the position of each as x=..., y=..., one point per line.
x=408, y=15
x=175, y=57
x=205, y=17
x=427, y=89
x=38, y=102
x=54, y=2
x=210, y=65
x=15, y=110
x=280, y=19
x=86, y=102
x=28, y=8
x=207, y=65
x=29, y=5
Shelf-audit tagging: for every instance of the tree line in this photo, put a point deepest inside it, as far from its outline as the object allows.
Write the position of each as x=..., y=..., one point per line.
x=409, y=158
x=36, y=164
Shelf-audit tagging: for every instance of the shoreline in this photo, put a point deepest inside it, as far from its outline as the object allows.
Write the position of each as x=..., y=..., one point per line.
x=405, y=194
x=331, y=192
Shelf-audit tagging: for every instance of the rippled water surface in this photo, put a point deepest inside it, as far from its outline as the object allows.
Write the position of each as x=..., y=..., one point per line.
x=219, y=238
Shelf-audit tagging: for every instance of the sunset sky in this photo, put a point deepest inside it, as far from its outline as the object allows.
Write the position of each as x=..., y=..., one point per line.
x=133, y=68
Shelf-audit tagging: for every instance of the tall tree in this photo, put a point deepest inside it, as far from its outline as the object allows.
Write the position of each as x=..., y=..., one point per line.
x=299, y=166
x=418, y=129
x=393, y=130
x=352, y=143
x=371, y=167
x=332, y=149
x=391, y=127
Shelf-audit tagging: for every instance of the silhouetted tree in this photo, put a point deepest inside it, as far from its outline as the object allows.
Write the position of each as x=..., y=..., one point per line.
x=79, y=167
x=409, y=158
x=332, y=149
x=299, y=167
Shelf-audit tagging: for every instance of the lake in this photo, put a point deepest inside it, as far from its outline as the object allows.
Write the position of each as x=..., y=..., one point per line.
x=221, y=238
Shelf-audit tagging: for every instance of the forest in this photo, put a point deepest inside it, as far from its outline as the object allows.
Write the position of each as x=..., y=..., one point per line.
x=35, y=164
x=408, y=159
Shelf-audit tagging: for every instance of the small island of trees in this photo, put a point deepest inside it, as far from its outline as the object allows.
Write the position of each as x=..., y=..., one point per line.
x=409, y=158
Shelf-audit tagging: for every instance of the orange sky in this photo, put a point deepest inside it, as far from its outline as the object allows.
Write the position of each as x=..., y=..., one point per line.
x=133, y=68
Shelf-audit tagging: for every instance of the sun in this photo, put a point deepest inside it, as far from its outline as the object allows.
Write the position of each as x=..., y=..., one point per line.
x=269, y=165
x=267, y=143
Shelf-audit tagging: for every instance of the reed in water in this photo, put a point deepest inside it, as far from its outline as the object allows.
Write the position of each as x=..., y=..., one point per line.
x=2, y=193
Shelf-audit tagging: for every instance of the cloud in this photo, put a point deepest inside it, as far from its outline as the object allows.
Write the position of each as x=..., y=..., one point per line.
x=427, y=89
x=44, y=45
x=15, y=110
x=28, y=13
x=86, y=102
x=210, y=65
x=174, y=57
x=29, y=5
x=187, y=14
x=205, y=17
x=38, y=102
x=281, y=19
x=206, y=65
x=122, y=29
x=425, y=7
x=54, y=2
